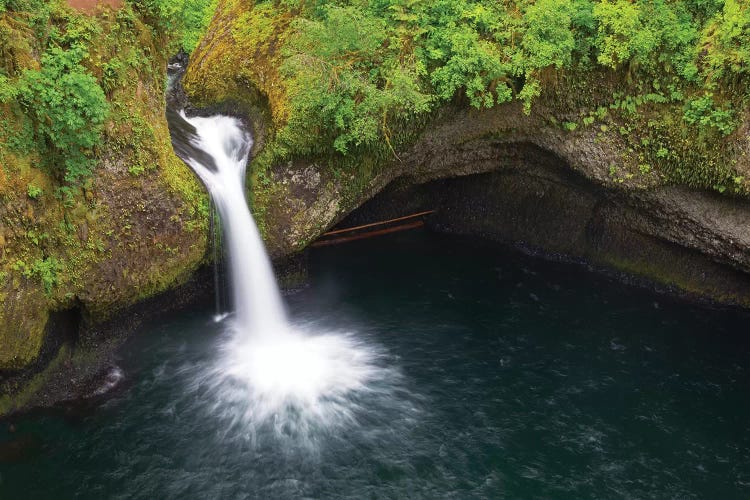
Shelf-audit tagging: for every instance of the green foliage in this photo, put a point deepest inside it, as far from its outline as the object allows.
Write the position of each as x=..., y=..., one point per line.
x=186, y=20
x=33, y=191
x=8, y=91
x=64, y=74
x=196, y=14
x=646, y=33
x=726, y=42
x=348, y=80
x=112, y=73
x=464, y=55
x=704, y=112
x=45, y=270
x=342, y=79
x=363, y=74
x=68, y=108
x=360, y=74
x=548, y=39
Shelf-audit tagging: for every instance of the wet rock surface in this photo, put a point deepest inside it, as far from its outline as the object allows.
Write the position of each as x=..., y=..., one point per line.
x=691, y=242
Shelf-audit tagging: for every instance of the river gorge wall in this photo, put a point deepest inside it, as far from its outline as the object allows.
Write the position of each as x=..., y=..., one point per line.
x=550, y=194
x=591, y=170
x=73, y=256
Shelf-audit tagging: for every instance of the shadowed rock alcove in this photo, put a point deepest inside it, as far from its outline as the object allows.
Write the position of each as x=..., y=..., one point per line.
x=536, y=202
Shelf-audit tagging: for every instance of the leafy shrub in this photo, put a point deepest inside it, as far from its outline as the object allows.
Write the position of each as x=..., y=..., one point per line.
x=703, y=111
x=68, y=108
x=644, y=33
x=726, y=42
x=364, y=74
x=8, y=91
x=45, y=270
x=336, y=81
x=33, y=191
x=187, y=19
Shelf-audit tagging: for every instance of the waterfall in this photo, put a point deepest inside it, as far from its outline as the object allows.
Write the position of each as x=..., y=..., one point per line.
x=255, y=295
x=292, y=378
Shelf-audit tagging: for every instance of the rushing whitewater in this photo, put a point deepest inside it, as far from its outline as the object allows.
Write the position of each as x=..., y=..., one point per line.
x=295, y=380
x=256, y=298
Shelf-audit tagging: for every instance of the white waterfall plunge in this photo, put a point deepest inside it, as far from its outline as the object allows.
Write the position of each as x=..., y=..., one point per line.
x=293, y=379
x=256, y=299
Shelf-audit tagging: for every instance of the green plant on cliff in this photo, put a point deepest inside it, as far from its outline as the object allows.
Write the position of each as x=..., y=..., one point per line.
x=703, y=111
x=658, y=34
x=343, y=79
x=68, y=108
x=64, y=99
x=359, y=75
x=349, y=78
x=33, y=192
x=79, y=90
x=184, y=19
x=725, y=44
x=45, y=270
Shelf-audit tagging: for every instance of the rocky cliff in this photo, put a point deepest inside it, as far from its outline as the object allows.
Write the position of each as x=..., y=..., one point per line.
x=594, y=171
x=75, y=253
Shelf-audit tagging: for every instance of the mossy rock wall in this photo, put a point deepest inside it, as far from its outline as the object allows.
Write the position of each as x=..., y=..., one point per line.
x=136, y=227
x=597, y=123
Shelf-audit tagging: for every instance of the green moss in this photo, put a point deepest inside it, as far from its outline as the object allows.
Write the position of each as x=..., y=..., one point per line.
x=19, y=399
x=650, y=121
x=141, y=212
x=658, y=272
x=20, y=345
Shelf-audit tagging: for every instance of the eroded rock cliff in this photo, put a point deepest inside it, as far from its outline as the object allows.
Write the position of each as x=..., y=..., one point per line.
x=644, y=196
x=73, y=254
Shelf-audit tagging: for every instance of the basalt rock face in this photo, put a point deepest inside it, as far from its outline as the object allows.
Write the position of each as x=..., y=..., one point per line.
x=547, y=193
x=546, y=209
x=71, y=262
x=539, y=179
x=551, y=191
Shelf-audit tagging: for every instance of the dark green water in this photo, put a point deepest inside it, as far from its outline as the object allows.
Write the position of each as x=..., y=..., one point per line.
x=506, y=376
